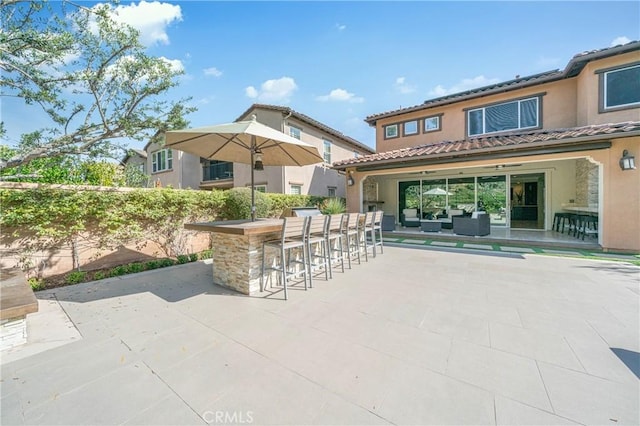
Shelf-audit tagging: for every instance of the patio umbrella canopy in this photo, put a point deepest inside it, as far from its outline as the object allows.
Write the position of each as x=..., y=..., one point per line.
x=244, y=142
x=437, y=191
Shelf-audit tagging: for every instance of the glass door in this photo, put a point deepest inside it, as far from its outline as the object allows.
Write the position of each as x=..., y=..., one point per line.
x=527, y=201
x=409, y=195
x=492, y=198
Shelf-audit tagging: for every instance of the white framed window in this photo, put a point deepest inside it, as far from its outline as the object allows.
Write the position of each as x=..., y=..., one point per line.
x=295, y=189
x=620, y=88
x=410, y=128
x=520, y=114
x=162, y=160
x=431, y=124
x=356, y=154
x=295, y=132
x=391, y=131
x=331, y=191
x=326, y=153
x=260, y=188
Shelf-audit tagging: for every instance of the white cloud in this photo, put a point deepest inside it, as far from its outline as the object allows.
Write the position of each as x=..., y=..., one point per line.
x=465, y=84
x=150, y=18
x=341, y=27
x=403, y=87
x=273, y=90
x=175, y=64
x=213, y=71
x=620, y=40
x=340, y=95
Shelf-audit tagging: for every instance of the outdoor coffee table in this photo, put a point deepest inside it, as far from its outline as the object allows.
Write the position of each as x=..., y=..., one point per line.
x=430, y=225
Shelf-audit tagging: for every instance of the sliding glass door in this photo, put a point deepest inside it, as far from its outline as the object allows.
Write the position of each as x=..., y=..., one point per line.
x=492, y=197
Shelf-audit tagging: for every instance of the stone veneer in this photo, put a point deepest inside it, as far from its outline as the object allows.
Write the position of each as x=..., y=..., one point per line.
x=237, y=260
x=586, y=183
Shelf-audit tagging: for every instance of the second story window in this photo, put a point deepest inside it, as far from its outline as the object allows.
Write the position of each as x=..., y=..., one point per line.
x=161, y=160
x=620, y=88
x=520, y=114
x=410, y=128
x=326, y=151
x=295, y=132
x=391, y=131
x=431, y=124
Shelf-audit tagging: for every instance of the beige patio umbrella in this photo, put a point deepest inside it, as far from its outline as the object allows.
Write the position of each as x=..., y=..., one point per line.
x=247, y=142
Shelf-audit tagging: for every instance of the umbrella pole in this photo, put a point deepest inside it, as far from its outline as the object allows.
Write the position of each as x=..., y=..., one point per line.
x=253, y=193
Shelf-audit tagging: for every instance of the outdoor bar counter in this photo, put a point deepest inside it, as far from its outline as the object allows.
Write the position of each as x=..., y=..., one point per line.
x=237, y=250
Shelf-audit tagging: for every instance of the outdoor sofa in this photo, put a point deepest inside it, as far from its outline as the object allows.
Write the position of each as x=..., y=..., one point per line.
x=477, y=225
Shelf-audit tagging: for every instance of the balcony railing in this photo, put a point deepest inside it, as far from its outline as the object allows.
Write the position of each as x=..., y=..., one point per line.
x=217, y=171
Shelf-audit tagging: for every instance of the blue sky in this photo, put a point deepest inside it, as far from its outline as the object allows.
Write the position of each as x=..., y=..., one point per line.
x=340, y=62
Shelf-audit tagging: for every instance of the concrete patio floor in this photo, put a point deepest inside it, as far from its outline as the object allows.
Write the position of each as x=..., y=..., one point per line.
x=413, y=336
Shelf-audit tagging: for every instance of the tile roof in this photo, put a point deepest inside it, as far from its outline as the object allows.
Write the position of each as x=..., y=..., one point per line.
x=308, y=120
x=489, y=144
x=573, y=68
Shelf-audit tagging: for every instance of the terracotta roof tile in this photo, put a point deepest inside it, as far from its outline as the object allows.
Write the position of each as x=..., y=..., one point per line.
x=492, y=143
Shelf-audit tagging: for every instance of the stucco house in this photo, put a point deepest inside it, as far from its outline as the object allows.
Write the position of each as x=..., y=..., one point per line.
x=521, y=150
x=182, y=170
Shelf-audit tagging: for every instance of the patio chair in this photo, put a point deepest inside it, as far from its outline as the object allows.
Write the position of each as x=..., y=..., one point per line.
x=292, y=237
x=351, y=235
x=409, y=218
x=477, y=226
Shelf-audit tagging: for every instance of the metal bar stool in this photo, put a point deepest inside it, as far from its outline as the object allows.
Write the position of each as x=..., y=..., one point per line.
x=560, y=219
x=373, y=226
x=350, y=233
x=292, y=237
x=587, y=224
x=334, y=241
x=315, y=239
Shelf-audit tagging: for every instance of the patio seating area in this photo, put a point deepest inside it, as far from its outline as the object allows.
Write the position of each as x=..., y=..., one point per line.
x=414, y=337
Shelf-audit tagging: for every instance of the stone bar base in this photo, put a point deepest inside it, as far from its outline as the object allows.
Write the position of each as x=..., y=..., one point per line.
x=237, y=260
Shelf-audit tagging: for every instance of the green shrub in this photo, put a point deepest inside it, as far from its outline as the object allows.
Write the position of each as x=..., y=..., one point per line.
x=206, y=254
x=166, y=262
x=100, y=275
x=182, y=259
x=238, y=204
x=75, y=277
x=118, y=270
x=333, y=206
x=152, y=264
x=135, y=267
x=193, y=257
x=36, y=284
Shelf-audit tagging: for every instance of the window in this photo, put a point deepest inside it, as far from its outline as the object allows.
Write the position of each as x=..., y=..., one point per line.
x=410, y=128
x=260, y=188
x=162, y=160
x=295, y=189
x=331, y=191
x=356, y=154
x=295, y=132
x=431, y=124
x=391, y=131
x=520, y=114
x=327, y=151
x=620, y=88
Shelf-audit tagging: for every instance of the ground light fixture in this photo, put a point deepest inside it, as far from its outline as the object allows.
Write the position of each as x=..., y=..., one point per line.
x=627, y=162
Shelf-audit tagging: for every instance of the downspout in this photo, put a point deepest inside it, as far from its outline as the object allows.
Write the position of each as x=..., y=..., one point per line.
x=284, y=120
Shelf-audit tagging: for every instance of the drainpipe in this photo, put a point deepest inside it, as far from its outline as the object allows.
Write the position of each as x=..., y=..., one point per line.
x=284, y=120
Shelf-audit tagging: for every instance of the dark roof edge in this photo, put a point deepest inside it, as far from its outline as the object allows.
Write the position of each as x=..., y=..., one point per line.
x=311, y=121
x=573, y=68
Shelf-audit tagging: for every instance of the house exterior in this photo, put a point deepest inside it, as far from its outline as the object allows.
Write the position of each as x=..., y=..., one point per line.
x=170, y=167
x=522, y=150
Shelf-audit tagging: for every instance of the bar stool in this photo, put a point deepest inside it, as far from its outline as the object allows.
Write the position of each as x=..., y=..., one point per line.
x=315, y=241
x=351, y=237
x=587, y=224
x=292, y=237
x=373, y=225
x=560, y=218
x=335, y=241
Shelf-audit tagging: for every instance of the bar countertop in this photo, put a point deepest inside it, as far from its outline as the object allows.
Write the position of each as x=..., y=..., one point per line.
x=238, y=227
